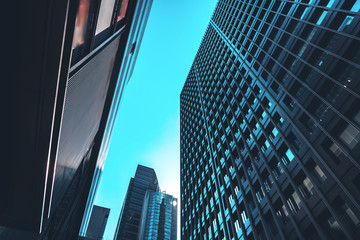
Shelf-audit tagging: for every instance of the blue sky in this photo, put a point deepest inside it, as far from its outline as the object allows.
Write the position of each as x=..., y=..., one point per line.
x=148, y=122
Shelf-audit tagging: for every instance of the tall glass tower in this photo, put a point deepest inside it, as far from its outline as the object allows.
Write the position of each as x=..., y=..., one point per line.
x=270, y=123
x=128, y=224
x=159, y=217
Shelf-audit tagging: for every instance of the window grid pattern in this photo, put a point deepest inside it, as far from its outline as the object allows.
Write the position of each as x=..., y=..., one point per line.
x=270, y=123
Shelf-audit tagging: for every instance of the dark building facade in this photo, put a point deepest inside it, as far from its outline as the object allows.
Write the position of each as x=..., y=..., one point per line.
x=90, y=201
x=270, y=123
x=132, y=47
x=158, y=217
x=129, y=220
x=68, y=66
x=97, y=223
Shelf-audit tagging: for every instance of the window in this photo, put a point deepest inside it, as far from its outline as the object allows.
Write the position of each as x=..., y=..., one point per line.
x=86, y=27
x=81, y=23
x=293, y=207
x=329, y=5
x=289, y=155
x=356, y=6
x=237, y=228
x=105, y=14
x=350, y=214
x=321, y=111
x=285, y=210
x=320, y=174
x=337, y=152
x=123, y=8
x=333, y=223
x=275, y=132
x=289, y=102
x=345, y=23
x=350, y=136
x=309, y=186
x=321, y=18
x=308, y=123
x=296, y=199
x=83, y=30
x=236, y=190
x=243, y=216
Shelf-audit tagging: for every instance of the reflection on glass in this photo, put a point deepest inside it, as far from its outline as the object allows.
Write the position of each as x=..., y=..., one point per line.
x=123, y=9
x=356, y=6
x=104, y=20
x=329, y=5
x=81, y=23
x=321, y=18
x=345, y=23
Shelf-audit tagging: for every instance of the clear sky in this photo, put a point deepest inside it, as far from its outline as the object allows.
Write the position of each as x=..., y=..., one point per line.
x=148, y=122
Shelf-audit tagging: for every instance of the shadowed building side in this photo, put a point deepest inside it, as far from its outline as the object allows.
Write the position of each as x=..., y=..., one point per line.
x=72, y=62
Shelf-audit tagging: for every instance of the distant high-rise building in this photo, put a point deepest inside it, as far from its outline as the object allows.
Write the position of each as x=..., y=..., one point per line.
x=270, y=123
x=159, y=217
x=97, y=223
x=65, y=74
x=128, y=224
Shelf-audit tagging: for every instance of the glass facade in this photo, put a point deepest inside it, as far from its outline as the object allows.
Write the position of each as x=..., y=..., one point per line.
x=159, y=217
x=138, y=25
x=270, y=123
x=128, y=224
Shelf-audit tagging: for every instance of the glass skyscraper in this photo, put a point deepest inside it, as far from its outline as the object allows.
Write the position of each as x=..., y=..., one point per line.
x=159, y=217
x=270, y=123
x=128, y=224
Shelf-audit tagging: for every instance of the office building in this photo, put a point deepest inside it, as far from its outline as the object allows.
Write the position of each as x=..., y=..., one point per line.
x=67, y=68
x=128, y=224
x=97, y=224
x=158, y=217
x=270, y=123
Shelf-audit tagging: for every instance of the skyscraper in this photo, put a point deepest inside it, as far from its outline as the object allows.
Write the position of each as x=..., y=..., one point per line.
x=270, y=123
x=97, y=224
x=128, y=224
x=158, y=217
x=68, y=67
